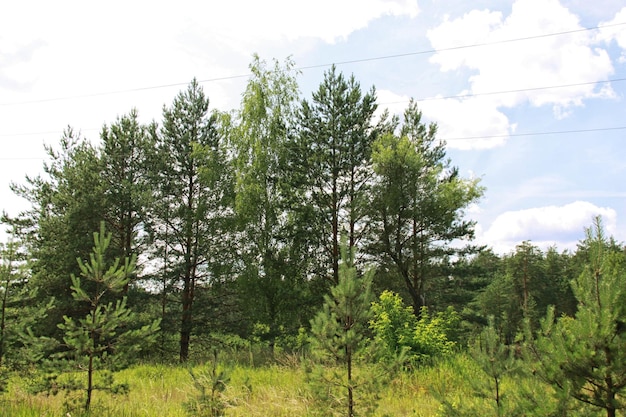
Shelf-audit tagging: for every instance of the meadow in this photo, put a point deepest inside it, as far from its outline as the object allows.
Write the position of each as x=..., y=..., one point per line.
x=277, y=388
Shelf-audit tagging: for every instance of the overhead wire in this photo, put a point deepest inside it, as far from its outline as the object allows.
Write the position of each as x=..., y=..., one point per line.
x=457, y=96
x=554, y=132
x=369, y=59
x=324, y=65
x=448, y=139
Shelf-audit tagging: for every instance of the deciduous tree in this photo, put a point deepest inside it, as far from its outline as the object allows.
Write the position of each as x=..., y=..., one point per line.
x=271, y=270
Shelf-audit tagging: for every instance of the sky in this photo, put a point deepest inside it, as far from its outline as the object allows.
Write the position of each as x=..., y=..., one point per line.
x=528, y=94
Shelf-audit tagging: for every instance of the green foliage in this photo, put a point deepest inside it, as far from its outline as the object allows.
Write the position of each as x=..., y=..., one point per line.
x=236, y=218
x=417, y=207
x=67, y=204
x=271, y=261
x=339, y=329
x=397, y=329
x=331, y=171
x=128, y=160
x=210, y=384
x=20, y=312
x=102, y=338
x=489, y=381
x=433, y=334
x=193, y=204
x=526, y=283
x=496, y=360
x=339, y=335
x=585, y=356
x=393, y=324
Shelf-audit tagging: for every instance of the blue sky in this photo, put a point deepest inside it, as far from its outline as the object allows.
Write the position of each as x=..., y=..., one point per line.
x=525, y=68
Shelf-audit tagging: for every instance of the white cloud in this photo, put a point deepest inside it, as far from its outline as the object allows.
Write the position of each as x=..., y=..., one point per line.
x=469, y=118
x=615, y=31
x=392, y=102
x=87, y=47
x=238, y=21
x=472, y=123
x=562, y=226
x=285, y=19
x=520, y=66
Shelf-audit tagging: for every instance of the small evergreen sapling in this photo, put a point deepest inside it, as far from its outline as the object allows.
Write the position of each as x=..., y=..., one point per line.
x=339, y=334
x=585, y=356
x=102, y=339
x=210, y=383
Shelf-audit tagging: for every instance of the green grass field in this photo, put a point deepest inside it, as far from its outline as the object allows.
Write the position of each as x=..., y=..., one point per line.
x=269, y=390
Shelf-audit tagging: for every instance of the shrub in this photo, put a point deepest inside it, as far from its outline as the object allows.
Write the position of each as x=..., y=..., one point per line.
x=398, y=331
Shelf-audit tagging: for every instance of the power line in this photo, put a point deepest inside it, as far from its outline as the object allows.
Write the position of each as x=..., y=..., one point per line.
x=454, y=48
x=520, y=90
x=302, y=68
x=554, y=132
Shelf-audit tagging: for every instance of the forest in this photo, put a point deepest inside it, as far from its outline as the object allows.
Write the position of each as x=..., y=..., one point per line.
x=295, y=256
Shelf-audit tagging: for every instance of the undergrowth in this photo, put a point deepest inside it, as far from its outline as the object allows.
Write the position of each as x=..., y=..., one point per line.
x=276, y=389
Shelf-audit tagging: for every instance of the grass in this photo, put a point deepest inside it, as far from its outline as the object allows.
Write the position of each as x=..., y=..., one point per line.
x=269, y=390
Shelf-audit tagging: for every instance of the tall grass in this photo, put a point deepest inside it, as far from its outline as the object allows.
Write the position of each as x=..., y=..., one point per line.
x=270, y=390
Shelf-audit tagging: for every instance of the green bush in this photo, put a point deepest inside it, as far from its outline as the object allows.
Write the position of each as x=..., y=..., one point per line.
x=398, y=331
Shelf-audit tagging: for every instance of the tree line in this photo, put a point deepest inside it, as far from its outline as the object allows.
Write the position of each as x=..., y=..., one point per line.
x=236, y=217
x=232, y=223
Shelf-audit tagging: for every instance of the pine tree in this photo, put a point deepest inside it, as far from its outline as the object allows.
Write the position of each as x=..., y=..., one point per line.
x=19, y=314
x=104, y=337
x=585, y=356
x=339, y=332
x=332, y=170
x=418, y=206
x=192, y=200
x=67, y=204
x=127, y=161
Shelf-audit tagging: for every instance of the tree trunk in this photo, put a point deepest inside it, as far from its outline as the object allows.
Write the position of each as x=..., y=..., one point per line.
x=185, y=325
x=89, y=382
x=335, y=231
x=350, y=390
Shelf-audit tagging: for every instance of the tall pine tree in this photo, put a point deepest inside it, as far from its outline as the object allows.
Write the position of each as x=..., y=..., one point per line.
x=331, y=154
x=191, y=199
x=67, y=204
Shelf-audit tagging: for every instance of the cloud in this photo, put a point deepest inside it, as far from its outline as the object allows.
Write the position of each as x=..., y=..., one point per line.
x=284, y=19
x=615, y=31
x=520, y=66
x=474, y=123
x=14, y=61
x=475, y=119
x=562, y=226
x=392, y=102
